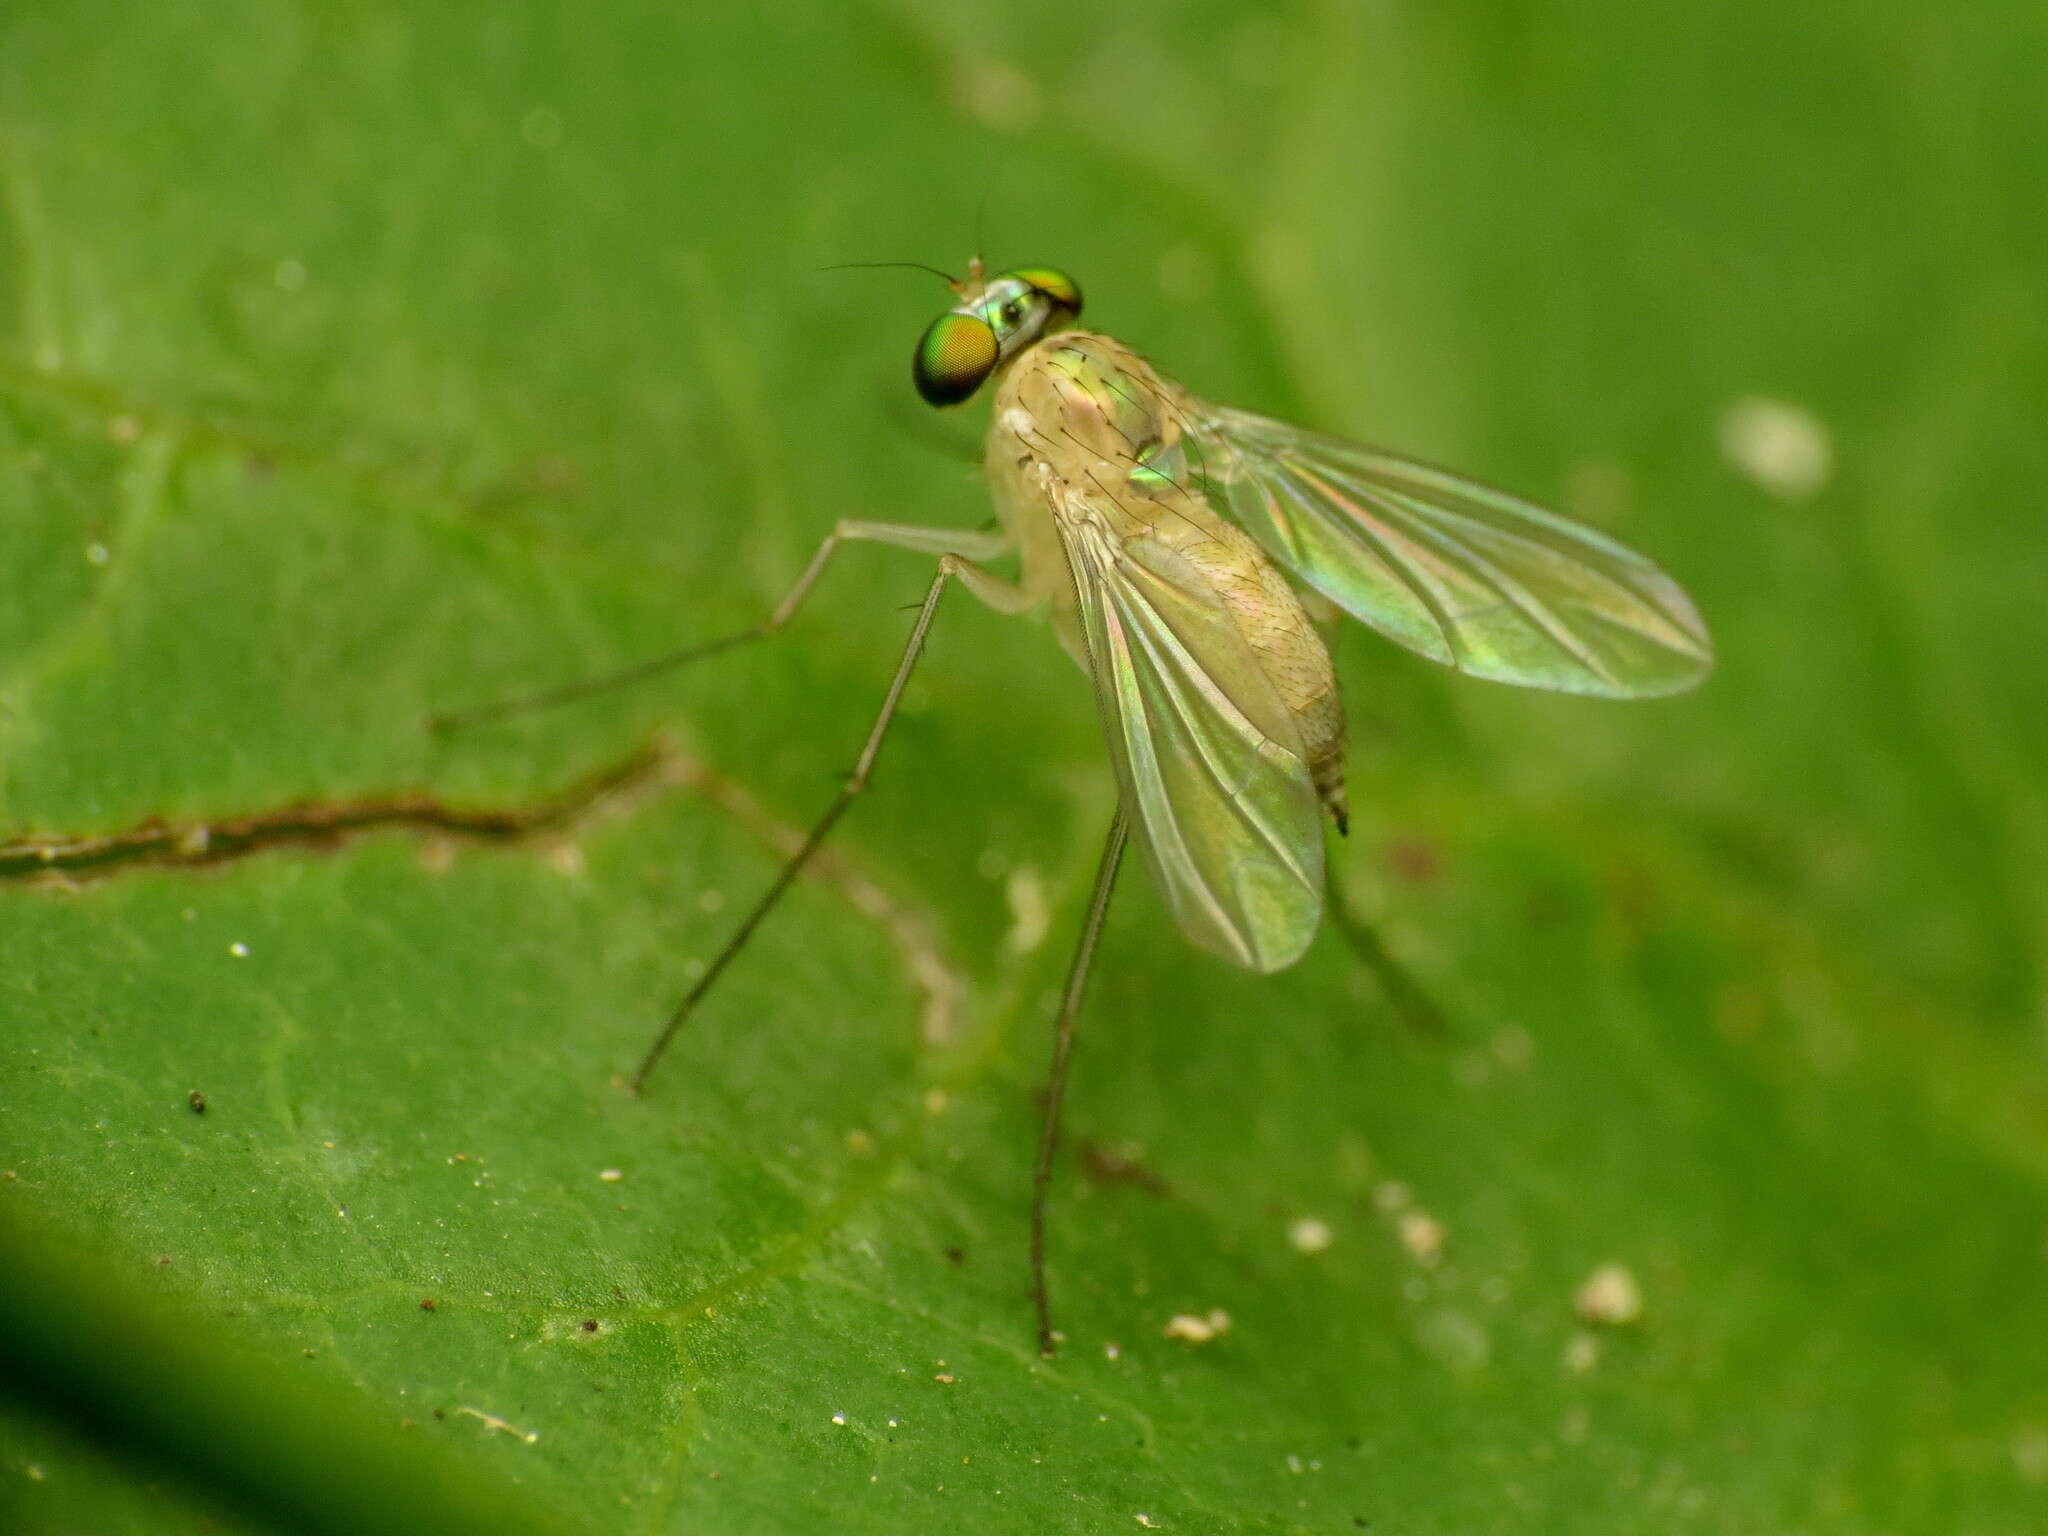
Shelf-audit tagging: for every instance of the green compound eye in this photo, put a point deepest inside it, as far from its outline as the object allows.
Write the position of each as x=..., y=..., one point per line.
x=1064, y=292
x=955, y=355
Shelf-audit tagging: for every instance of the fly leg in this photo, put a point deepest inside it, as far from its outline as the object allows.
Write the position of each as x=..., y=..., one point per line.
x=971, y=543
x=994, y=591
x=1062, y=1050
x=1418, y=1010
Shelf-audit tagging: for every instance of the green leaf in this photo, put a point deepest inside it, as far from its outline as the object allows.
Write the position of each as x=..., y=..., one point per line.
x=202, y=1405
x=358, y=362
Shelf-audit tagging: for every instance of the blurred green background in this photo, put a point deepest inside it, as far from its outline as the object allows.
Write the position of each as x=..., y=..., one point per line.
x=359, y=359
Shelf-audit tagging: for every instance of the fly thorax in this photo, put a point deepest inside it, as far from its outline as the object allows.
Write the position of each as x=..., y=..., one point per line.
x=1083, y=399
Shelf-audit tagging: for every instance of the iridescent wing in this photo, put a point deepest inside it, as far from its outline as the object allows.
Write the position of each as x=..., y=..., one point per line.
x=1464, y=574
x=1209, y=761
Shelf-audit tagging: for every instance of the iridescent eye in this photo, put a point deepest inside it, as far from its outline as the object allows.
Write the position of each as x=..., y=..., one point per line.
x=1055, y=285
x=956, y=353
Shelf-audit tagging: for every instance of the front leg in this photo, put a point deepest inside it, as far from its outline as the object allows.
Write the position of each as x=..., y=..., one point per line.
x=970, y=543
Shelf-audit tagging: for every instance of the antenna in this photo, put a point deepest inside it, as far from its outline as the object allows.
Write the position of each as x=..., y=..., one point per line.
x=916, y=266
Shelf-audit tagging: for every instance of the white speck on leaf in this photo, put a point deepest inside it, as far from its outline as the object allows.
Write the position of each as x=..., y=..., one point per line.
x=1191, y=1329
x=1610, y=1296
x=1423, y=1236
x=1030, y=914
x=493, y=1422
x=1784, y=448
x=1311, y=1234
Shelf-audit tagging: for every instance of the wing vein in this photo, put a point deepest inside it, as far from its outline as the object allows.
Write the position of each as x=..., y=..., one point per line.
x=1226, y=816
x=1464, y=574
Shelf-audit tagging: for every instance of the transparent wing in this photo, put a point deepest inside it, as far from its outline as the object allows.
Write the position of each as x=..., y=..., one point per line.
x=1465, y=574
x=1207, y=756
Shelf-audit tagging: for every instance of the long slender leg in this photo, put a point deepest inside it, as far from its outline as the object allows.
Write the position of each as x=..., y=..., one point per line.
x=1062, y=1050
x=1410, y=999
x=973, y=543
x=990, y=589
